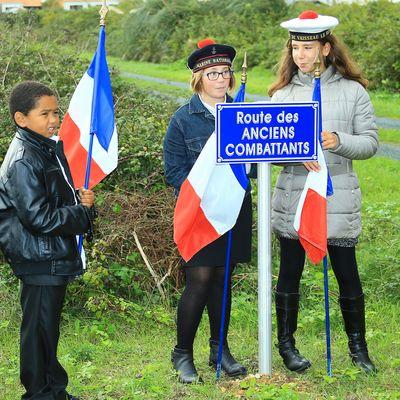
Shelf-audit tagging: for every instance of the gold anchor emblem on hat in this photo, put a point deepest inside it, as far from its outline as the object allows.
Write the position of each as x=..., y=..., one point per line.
x=213, y=51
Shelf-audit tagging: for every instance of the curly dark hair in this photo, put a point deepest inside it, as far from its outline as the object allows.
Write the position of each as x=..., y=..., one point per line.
x=24, y=96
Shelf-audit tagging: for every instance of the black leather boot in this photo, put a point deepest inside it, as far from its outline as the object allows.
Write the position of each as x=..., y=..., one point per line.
x=229, y=365
x=182, y=361
x=287, y=308
x=353, y=311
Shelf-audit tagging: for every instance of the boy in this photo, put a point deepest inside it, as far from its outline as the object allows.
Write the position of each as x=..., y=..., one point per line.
x=40, y=216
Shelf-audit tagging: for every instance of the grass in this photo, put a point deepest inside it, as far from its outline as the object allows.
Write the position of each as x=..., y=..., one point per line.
x=160, y=88
x=110, y=359
x=119, y=358
x=259, y=78
x=386, y=104
x=378, y=180
x=389, y=135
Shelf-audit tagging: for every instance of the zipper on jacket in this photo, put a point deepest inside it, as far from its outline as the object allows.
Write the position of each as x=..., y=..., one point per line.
x=46, y=243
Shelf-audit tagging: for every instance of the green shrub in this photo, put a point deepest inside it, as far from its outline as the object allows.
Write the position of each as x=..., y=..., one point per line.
x=167, y=31
x=160, y=31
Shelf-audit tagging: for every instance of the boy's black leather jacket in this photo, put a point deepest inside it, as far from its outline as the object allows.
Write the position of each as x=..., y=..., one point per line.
x=39, y=220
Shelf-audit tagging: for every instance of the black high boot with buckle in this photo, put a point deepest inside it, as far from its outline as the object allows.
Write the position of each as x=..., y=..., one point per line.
x=228, y=363
x=182, y=361
x=353, y=311
x=287, y=308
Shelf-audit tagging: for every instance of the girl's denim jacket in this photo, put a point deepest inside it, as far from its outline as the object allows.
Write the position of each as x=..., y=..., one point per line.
x=187, y=133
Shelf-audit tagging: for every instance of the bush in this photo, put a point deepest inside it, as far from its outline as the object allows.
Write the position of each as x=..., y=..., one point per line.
x=167, y=31
x=160, y=31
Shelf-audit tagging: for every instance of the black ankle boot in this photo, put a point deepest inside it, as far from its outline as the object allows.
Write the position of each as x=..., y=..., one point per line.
x=229, y=365
x=353, y=311
x=182, y=361
x=287, y=308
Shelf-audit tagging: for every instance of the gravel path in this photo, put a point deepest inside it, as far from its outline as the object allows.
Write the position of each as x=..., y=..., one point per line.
x=389, y=150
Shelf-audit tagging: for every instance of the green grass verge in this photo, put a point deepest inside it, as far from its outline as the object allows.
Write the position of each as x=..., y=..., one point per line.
x=386, y=104
x=160, y=88
x=389, y=135
x=378, y=178
x=259, y=79
x=111, y=359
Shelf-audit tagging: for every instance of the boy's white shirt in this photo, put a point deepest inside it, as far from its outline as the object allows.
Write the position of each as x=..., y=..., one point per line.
x=83, y=255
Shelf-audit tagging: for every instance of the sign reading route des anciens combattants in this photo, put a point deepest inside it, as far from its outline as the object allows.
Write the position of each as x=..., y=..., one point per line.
x=266, y=132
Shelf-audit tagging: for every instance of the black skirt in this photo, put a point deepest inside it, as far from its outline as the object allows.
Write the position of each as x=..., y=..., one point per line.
x=213, y=255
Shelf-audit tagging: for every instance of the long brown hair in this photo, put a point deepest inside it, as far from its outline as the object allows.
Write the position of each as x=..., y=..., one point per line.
x=338, y=56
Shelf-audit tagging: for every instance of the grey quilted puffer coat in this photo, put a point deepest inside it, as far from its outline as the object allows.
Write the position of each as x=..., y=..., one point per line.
x=346, y=110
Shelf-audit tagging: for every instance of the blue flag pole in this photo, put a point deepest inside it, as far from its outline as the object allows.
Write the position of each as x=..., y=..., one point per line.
x=329, y=192
x=238, y=99
x=327, y=320
x=224, y=302
x=87, y=177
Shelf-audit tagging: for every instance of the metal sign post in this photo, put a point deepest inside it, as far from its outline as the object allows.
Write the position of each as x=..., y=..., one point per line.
x=264, y=269
x=263, y=133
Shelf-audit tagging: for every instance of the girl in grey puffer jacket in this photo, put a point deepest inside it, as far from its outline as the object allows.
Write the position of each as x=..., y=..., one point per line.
x=349, y=133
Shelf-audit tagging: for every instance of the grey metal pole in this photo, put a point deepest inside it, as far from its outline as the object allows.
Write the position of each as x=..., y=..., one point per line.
x=264, y=269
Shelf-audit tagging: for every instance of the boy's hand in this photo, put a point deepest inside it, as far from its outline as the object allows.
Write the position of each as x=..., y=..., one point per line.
x=87, y=197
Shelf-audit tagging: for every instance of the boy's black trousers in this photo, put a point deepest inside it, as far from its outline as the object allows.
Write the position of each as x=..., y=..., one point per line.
x=41, y=374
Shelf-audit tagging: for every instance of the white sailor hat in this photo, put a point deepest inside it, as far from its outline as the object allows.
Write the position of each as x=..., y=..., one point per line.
x=310, y=26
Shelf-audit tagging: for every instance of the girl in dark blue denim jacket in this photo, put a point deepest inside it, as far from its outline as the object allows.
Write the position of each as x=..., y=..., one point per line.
x=188, y=131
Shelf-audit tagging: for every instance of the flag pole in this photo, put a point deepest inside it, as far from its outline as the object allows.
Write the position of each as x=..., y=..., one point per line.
x=228, y=248
x=224, y=303
x=317, y=77
x=103, y=12
x=327, y=320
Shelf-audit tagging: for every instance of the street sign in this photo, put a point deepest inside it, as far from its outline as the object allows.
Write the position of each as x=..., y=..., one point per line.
x=263, y=133
x=266, y=132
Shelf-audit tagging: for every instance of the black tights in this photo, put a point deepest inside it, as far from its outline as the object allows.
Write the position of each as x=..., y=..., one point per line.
x=204, y=287
x=343, y=261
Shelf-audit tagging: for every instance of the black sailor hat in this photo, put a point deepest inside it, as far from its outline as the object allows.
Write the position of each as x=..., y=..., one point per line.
x=209, y=54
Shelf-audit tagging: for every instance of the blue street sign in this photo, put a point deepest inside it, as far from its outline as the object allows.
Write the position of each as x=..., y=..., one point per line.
x=256, y=132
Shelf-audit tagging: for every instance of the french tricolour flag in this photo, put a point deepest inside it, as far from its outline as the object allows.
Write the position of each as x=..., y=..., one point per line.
x=88, y=129
x=209, y=201
x=310, y=221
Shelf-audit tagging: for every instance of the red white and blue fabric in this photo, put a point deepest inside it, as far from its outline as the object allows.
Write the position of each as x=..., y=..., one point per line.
x=209, y=201
x=310, y=221
x=91, y=112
